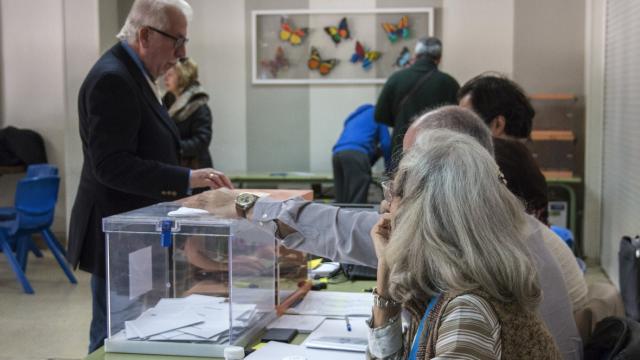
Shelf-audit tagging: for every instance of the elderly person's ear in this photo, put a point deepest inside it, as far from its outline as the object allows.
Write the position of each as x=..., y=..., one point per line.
x=143, y=35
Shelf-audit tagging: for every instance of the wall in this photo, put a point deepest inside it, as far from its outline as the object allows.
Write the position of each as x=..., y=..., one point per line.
x=621, y=164
x=81, y=45
x=33, y=83
x=217, y=36
x=309, y=118
x=324, y=125
x=477, y=36
x=2, y=120
x=277, y=116
x=594, y=91
x=549, y=45
x=109, y=23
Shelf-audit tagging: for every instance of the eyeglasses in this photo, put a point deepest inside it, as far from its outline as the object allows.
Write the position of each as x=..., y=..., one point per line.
x=179, y=41
x=387, y=190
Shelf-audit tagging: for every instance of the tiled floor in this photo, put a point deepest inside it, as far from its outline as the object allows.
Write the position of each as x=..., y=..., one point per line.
x=54, y=323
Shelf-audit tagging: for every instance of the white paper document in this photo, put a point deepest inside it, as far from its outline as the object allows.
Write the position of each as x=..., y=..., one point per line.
x=193, y=318
x=333, y=334
x=155, y=322
x=332, y=303
x=278, y=351
x=275, y=350
x=185, y=211
x=140, y=272
x=325, y=269
x=303, y=323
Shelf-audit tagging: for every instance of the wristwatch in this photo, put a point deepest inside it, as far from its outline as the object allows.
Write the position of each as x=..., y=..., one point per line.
x=383, y=302
x=244, y=202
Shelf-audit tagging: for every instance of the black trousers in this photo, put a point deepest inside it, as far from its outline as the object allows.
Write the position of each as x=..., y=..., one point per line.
x=351, y=176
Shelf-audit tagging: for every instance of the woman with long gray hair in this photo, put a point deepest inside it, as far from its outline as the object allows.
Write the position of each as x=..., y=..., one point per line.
x=451, y=253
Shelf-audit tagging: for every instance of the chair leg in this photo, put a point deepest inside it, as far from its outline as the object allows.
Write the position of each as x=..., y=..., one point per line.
x=51, y=242
x=22, y=250
x=34, y=249
x=16, y=267
x=55, y=241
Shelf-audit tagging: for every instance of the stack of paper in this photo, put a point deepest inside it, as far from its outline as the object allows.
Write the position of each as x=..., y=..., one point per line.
x=332, y=303
x=325, y=270
x=193, y=318
x=278, y=351
x=334, y=335
x=303, y=323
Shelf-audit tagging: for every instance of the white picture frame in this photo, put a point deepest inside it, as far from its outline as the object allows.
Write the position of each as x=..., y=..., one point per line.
x=365, y=25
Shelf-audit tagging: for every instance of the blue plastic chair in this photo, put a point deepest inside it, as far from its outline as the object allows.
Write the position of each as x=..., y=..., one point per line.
x=35, y=170
x=39, y=170
x=35, y=203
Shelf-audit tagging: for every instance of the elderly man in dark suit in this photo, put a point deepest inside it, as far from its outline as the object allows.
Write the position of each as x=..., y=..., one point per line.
x=130, y=144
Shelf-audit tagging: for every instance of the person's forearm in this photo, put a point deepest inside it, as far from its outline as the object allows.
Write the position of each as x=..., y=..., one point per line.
x=382, y=315
x=323, y=230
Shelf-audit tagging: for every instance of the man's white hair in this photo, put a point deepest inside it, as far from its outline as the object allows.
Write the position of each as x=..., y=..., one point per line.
x=151, y=13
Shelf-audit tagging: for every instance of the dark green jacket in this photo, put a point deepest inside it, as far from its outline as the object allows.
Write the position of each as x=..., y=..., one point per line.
x=439, y=89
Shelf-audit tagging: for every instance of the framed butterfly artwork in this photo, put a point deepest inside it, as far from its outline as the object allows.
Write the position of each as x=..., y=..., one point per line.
x=338, y=33
x=279, y=62
x=326, y=46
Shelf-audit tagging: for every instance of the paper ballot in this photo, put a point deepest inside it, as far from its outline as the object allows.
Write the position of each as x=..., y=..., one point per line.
x=332, y=303
x=333, y=334
x=278, y=351
x=194, y=318
x=154, y=322
x=185, y=211
x=303, y=323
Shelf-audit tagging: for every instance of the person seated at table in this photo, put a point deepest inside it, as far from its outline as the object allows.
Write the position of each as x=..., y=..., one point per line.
x=523, y=175
x=343, y=235
x=526, y=181
x=451, y=252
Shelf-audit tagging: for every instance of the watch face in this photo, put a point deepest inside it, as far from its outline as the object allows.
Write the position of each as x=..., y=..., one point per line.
x=245, y=199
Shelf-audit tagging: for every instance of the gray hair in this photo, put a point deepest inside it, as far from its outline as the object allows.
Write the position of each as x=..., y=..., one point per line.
x=430, y=47
x=150, y=13
x=458, y=119
x=457, y=227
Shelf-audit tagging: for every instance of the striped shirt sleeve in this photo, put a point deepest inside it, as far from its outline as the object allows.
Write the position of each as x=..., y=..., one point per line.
x=469, y=329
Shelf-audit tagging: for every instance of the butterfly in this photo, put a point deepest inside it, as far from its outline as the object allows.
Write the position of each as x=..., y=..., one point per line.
x=394, y=32
x=366, y=56
x=278, y=63
x=288, y=33
x=404, y=57
x=317, y=63
x=340, y=32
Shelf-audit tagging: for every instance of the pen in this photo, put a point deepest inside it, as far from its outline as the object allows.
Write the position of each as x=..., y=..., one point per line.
x=346, y=318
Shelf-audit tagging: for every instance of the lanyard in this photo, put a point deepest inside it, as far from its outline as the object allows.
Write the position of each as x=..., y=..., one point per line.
x=416, y=339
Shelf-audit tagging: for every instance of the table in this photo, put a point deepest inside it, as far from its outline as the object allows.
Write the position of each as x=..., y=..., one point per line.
x=314, y=180
x=341, y=284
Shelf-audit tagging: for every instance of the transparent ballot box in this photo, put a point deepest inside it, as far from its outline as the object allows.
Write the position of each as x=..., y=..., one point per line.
x=187, y=285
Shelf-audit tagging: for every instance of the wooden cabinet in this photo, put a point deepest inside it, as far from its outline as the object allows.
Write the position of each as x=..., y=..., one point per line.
x=557, y=139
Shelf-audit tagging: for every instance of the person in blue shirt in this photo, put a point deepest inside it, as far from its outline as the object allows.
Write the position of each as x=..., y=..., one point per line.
x=360, y=145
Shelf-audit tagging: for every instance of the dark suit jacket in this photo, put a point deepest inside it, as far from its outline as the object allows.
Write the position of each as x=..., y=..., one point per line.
x=131, y=153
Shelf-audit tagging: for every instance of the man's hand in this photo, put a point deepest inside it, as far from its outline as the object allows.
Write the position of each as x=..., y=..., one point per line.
x=210, y=178
x=221, y=202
